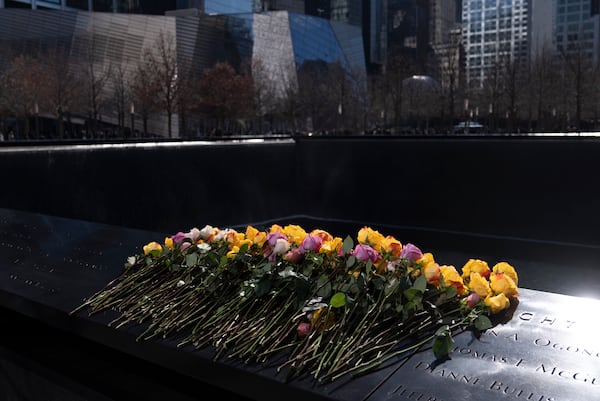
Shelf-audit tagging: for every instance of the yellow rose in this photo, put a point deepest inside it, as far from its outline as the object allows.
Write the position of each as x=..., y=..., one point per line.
x=233, y=251
x=392, y=245
x=475, y=266
x=276, y=228
x=168, y=243
x=324, y=235
x=331, y=247
x=426, y=259
x=322, y=319
x=479, y=284
x=501, y=283
x=497, y=303
x=251, y=233
x=260, y=239
x=503, y=267
x=294, y=233
x=432, y=273
x=239, y=238
x=368, y=236
x=153, y=248
x=452, y=278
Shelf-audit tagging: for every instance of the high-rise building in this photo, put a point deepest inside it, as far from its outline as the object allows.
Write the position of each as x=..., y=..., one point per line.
x=541, y=28
x=494, y=32
x=442, y=20
x=577, y=28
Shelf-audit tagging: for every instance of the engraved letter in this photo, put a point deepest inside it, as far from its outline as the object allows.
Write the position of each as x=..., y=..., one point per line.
x=526, y=316
x=550, y=320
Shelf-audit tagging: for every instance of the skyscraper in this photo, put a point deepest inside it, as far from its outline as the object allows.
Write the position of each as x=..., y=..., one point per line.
x=577, y=28
x=494, y=32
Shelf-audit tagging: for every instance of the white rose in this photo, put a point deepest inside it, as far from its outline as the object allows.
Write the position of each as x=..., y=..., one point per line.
x=194, y=234
x=281, y=247
x=207, y=232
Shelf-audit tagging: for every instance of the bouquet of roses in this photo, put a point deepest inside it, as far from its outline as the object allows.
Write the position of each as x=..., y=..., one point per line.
x=318, y=304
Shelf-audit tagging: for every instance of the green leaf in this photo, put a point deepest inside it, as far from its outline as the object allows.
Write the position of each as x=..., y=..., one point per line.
x=338, y=300
x=262, y=288
x=223, y=261
x=482, y=323
x=351, y=261
x=325, y=290
x=191, y=259
x=450, y=292
x=413, y=294
x=420, y=283
x=347, y=245
x=442, y=346
x=243, y=248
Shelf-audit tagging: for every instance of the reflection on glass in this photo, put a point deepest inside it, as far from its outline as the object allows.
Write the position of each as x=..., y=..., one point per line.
x=102, y=5
x=81, y=4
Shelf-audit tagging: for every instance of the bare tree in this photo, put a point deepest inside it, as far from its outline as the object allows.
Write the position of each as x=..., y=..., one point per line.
x=450, y=74
x=144, y=92
x=579, y=67
x=399, y=66
x=187, y=94
x=21, y=90
x=289, y=105
x=96, y=75
x=315, y=97
x=63, y=88
x=538, y=86
x=513, y=84
x=490, y=94
x=225, y=94
x=264, y=93
x=163, y=61
x=120, y=95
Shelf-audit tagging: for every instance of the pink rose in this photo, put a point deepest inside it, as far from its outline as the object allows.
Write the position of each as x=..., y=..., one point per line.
x=364, y=252
x=294, y=255
x=411, y=253
x=311, y=243
x=179, y=237
x=473, y=299
x=304, y=329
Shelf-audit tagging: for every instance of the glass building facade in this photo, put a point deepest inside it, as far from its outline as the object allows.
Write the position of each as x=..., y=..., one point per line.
x=494, y=31
x=280, y=41
x=577, y=26
x=151, y=7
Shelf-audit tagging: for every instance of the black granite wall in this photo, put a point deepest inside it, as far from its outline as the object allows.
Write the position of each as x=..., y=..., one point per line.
x=540, y=189
x=163, y=188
